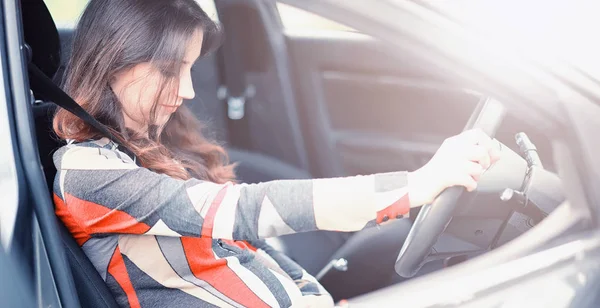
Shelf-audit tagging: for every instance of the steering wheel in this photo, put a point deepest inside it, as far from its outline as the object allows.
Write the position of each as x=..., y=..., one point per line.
x=435, y=217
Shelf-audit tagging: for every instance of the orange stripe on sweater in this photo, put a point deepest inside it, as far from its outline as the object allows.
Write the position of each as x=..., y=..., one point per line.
x=72, y=224
x=117, y=269
x=95, y=218
x=205, y=266
x=400, y=207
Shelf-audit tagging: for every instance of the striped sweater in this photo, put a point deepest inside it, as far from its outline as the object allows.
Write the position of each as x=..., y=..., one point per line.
x=163, y=242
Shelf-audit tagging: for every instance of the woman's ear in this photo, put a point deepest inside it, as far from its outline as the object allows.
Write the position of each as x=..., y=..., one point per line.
x=113, y=82
x=120, y=80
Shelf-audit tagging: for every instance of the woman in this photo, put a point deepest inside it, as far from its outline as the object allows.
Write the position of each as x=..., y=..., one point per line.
x=157, y=211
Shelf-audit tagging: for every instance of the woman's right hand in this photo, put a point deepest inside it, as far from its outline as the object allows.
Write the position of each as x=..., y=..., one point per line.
x=460, y=161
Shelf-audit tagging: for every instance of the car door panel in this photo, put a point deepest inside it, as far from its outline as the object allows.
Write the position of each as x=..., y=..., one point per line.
x=365, y=110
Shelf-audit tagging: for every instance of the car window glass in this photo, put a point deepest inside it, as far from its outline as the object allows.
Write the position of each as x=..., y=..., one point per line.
x=66, y=12
x=294, y=18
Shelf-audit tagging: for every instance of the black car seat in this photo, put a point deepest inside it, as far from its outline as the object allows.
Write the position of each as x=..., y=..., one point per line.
x=42, y=37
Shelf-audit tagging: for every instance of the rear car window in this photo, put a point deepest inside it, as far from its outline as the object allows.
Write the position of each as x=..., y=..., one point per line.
x=66, y=12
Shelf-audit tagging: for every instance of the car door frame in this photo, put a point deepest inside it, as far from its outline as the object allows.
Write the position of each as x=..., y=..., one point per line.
x=46, y=261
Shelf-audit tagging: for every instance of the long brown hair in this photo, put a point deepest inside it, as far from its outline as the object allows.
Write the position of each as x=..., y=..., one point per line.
x=113, y=35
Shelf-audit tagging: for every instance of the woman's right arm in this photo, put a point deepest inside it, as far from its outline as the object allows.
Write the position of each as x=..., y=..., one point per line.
x=101, y=191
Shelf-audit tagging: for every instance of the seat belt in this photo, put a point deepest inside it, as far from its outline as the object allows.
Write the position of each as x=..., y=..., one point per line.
x=48, y=89
x=234, y=90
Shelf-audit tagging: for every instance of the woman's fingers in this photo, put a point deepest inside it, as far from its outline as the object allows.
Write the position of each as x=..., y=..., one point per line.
x=479, y=137
x=467, y=182
x=474, y=170
x=468, y=175
x=479, y=154
x=489, y=144
x=460, y=161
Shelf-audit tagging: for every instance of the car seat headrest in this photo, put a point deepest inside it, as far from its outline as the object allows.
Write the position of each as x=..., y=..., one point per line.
x=41, y=35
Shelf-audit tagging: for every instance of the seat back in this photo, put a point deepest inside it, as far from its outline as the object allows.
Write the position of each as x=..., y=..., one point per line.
x=47, y=140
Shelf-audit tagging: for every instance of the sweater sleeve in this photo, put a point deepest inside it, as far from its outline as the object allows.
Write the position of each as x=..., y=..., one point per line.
x=102, y=191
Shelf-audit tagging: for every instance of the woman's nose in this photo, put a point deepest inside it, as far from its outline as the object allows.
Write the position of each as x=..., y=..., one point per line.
x=186, y=87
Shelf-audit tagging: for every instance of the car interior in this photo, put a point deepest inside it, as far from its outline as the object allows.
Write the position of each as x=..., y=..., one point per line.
x=316, y=104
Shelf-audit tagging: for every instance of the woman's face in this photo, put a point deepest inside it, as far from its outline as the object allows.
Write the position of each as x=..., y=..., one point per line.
x=139, y=87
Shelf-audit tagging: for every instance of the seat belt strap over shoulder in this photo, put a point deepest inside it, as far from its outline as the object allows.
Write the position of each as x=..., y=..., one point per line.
x=46, y=87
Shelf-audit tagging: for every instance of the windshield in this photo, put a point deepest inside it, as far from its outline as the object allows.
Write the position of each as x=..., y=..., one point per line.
x=557, y=34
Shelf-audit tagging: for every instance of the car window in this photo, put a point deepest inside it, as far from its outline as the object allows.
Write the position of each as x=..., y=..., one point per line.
x=294, y=18
x=66, y=12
